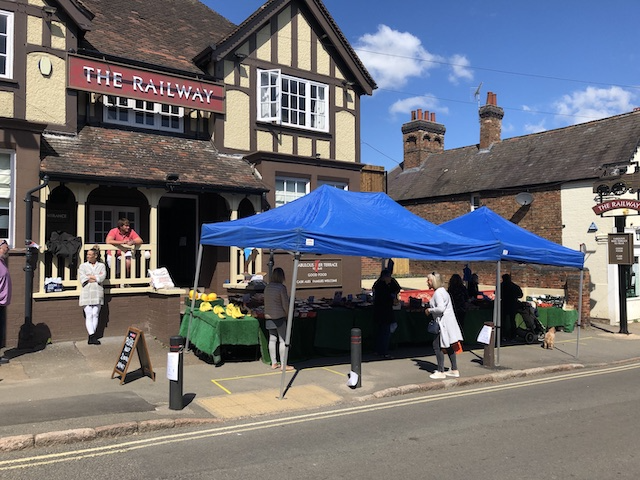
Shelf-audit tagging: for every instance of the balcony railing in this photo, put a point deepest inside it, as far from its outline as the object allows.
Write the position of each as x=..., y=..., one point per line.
x=143, y=258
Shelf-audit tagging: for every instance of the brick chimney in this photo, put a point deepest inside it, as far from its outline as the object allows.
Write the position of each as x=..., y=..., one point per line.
x=490, y=121
x=421, y=137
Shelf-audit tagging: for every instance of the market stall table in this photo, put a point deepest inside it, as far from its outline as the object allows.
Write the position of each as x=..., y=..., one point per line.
x=556, y=317
x=209, y=333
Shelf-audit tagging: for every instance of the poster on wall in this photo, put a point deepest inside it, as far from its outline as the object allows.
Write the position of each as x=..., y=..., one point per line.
x=319, y=273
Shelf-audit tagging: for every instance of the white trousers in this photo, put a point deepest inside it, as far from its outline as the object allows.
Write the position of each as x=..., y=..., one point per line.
x=91, y=315
x=277, y=337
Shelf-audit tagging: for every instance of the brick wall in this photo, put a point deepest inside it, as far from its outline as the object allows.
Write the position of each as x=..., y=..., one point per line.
x=543, y=217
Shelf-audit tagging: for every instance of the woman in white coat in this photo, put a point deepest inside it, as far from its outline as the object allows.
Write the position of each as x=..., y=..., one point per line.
x=91, y=274
x=441, y=307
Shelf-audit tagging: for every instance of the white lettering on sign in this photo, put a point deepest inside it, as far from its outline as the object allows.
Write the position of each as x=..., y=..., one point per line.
x=613, y=204
x=114, y=79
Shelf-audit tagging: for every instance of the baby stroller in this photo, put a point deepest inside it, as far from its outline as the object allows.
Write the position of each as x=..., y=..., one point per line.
x=530, y=328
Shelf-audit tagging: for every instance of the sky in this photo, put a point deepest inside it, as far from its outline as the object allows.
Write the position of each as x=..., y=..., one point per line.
x=550, y=63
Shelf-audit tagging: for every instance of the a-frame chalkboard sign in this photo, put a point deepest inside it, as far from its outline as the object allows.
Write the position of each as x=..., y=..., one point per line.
x=134, y=340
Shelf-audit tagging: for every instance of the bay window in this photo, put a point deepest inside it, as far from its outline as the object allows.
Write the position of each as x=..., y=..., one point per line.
x=292, y=101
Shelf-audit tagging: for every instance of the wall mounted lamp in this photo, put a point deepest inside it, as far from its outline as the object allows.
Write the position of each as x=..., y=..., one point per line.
x=49, y=10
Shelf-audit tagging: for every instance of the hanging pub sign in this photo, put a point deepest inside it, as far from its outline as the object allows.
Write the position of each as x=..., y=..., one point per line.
x=319, y=273
x=621, y=248
x=115, y=79
x=623, y=204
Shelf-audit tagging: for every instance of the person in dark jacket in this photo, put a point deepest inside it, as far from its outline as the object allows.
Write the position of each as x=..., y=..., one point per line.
x=385, y=293
x=460, y=298
x=509, y=294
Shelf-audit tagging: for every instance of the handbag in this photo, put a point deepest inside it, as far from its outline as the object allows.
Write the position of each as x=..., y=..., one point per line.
x=433, y=327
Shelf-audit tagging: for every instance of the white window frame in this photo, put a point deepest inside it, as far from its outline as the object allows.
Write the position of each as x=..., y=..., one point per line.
x=8, y=36
x=8, y=232
x=143, y=114
x=285, y=195
x=474, y=202
x=333, y=183
x=279, y=96
x=116, y=212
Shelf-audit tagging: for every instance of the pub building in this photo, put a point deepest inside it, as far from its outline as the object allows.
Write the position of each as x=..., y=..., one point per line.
x=167, y=114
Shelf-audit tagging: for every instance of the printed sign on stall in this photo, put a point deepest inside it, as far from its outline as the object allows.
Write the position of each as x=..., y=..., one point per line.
x=319, y=273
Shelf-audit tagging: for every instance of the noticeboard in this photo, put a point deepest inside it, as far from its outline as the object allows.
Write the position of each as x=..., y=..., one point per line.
x=133, y=341
x=621, y=248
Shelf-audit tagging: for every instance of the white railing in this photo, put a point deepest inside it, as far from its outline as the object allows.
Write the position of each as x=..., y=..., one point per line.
x=143, y=258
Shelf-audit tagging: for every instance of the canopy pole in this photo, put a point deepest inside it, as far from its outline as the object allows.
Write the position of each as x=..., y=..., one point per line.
x=292, y=303
x=193, y=298
x=497, y=313
x=579, y=312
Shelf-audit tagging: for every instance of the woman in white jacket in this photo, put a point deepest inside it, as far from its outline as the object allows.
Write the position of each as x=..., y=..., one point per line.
x=441, y=307
x=91, y=274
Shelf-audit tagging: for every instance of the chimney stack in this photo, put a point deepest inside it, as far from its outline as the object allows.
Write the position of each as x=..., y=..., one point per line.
x=421, y=137
x=490, y=122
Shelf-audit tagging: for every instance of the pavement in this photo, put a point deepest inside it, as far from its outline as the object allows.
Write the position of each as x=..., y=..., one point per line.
x=67, y=392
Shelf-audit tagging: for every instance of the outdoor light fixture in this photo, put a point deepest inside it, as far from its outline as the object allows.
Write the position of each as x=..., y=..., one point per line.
x=173, y=177
x=49, y=9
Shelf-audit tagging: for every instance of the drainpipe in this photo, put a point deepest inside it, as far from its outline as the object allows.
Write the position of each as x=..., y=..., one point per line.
x=25, y=339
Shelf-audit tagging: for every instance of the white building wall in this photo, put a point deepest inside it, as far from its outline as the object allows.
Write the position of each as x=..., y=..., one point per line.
x=577, y=202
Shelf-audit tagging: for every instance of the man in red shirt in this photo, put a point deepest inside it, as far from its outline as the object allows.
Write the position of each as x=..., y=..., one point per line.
x=126, y=237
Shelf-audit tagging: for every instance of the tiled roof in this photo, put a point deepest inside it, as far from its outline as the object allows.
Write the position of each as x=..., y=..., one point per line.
x=168, y=33
x=138, y=158
x=552, y=157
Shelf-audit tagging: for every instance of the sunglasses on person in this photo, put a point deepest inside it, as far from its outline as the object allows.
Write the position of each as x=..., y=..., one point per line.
x=4, y=242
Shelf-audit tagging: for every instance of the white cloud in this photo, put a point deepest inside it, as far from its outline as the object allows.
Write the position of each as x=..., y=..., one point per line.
x=535, y=127
x=460, y=69
x=393, y=57
x=426, y=102
x=593, y=104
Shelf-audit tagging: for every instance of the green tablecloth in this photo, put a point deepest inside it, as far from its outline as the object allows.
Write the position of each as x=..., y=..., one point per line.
x=333, y=329
x=557, y=317
x=329, y=333
x=208, y=332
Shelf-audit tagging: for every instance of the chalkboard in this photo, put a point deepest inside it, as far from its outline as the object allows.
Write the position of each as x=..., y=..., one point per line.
x=133, y=341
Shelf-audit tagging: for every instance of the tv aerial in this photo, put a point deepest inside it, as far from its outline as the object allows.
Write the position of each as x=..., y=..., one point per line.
x=476, y=94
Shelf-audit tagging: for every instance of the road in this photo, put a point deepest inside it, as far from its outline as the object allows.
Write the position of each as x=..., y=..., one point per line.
x=581, y=425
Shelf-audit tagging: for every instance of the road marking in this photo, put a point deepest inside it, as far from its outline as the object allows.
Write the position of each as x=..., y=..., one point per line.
x=217, y=381
x=123, y=447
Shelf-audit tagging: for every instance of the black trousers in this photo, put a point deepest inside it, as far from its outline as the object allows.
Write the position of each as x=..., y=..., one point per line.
x=3, y=326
